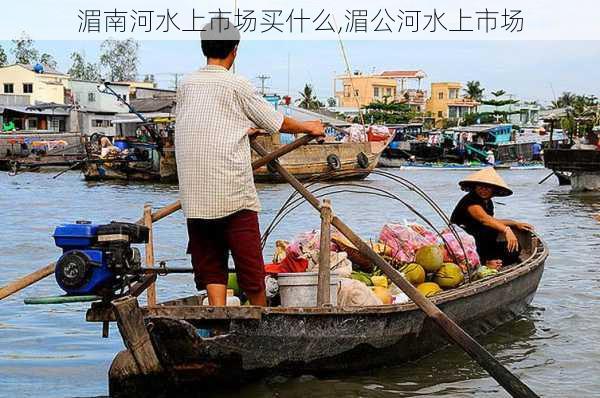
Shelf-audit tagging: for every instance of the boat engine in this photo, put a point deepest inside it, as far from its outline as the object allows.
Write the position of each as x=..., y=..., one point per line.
x=98, y=259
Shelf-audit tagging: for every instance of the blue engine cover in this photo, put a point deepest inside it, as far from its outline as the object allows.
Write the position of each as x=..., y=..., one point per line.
x=75, y=236
x=79, y=238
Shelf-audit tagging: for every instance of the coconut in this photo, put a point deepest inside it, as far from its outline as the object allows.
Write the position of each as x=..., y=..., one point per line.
x=429, y=289
x=383, y=293
x=413, y=273
x=430, y=257
x=449, y=276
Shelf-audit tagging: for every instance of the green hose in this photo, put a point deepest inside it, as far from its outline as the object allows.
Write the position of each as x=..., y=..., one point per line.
x=61, y=299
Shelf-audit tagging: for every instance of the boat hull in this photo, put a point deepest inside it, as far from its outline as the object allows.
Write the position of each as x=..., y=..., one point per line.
x=316, y=341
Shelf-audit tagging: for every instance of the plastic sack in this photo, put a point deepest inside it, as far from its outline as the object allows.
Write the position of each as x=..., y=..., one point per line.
x=338, y=263
x=378, y=133
x=356, y=133
x=469, y=254
x=354, y=293
x=405, y=240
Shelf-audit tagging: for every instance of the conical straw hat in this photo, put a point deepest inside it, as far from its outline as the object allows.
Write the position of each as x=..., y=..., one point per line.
x=487, y=176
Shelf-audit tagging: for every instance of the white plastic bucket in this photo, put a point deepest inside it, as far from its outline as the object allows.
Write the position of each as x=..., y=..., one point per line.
x=299, y=289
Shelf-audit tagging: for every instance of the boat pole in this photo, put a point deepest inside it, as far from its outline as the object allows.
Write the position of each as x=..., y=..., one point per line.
x=453, y=332
x=27, y=280
x=545, y=178
x=324, y=278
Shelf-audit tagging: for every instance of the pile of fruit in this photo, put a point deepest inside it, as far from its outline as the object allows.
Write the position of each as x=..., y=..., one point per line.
x=428, y=273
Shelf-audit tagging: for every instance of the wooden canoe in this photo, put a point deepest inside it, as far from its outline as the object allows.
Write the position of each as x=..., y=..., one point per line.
x=168, y=355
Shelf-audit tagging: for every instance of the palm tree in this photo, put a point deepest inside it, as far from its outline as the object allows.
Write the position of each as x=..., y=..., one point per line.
x=566, y=99
x=474, y=90
x=307, y=99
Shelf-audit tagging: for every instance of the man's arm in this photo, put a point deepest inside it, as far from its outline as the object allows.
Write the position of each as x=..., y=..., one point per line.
x=293, y=126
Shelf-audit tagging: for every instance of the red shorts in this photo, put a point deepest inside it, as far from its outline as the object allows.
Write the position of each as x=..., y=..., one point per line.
x=210, y=242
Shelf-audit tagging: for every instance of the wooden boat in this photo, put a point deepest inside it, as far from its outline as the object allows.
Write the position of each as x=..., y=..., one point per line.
x=181, y=348
x=330, y=160
x=578, y=167
x=326, y=161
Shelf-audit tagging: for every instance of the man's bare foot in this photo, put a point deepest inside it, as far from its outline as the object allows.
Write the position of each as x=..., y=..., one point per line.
x=495, y=264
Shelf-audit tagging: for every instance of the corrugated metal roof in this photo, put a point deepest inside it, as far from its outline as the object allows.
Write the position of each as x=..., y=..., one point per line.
x=29, y=111
x=408, y=74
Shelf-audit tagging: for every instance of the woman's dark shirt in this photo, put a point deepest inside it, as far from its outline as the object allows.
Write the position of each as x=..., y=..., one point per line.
x=460, y=215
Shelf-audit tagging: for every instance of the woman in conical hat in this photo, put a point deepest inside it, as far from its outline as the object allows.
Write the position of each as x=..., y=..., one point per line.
x=495, y=239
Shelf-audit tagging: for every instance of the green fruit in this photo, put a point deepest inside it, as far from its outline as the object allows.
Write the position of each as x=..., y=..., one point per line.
x=413, y=273
x=429, y=289
x=484, y=272
x=232, y=283
x=430, y=258
x=362, y=277
x=449, y=276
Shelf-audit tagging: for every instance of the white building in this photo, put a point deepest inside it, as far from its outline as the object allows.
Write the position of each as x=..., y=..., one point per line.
x=95, y=109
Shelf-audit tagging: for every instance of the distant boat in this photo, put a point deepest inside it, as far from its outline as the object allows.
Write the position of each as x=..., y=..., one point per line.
x=330, y=160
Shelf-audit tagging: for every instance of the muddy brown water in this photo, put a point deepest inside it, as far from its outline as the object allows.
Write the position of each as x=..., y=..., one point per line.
x=50, y=351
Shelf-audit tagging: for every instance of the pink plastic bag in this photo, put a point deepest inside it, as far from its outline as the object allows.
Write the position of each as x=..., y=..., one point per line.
x=453, y=247
x=404, y=240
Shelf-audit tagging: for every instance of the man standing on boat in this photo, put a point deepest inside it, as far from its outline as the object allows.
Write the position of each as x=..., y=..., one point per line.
x=216, y=113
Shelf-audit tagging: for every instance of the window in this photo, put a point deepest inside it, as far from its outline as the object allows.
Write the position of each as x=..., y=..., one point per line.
x=441, y=95
x=346, y=91
x=9, y=88
x=453, y=93
x=32, y=123
x=100, y=123
x=453, y=112
x=91, y=97
x=376, y=92
x=356, y=93
x=440, y=114
x=388, y=91
x=27, y=88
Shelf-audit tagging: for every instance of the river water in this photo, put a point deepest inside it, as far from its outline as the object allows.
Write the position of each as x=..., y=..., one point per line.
x=50, y=351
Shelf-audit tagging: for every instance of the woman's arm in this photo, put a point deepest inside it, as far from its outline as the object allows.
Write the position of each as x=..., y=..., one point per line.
x=477, y=212
x=519, y=225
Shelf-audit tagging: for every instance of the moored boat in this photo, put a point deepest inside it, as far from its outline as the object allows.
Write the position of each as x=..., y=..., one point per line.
x=578, y=167
x=326, y=161
x=193, y=348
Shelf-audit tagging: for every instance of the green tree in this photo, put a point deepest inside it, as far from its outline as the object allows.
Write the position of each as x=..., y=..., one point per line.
x=24, y=50
x=474, y=90
x=48, y=60
x=331, y=102
x=385, y=112
x=566, y=99
x=307, y=99
x=120, y=58
x=83, y=70
x=3, y=57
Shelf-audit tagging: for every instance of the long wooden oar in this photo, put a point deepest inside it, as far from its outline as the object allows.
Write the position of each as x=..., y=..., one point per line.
x=455, y=333
x=27, y=280
x=36, y=276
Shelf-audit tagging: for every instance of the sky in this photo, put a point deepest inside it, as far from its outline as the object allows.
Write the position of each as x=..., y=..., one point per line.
x=529, y=70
